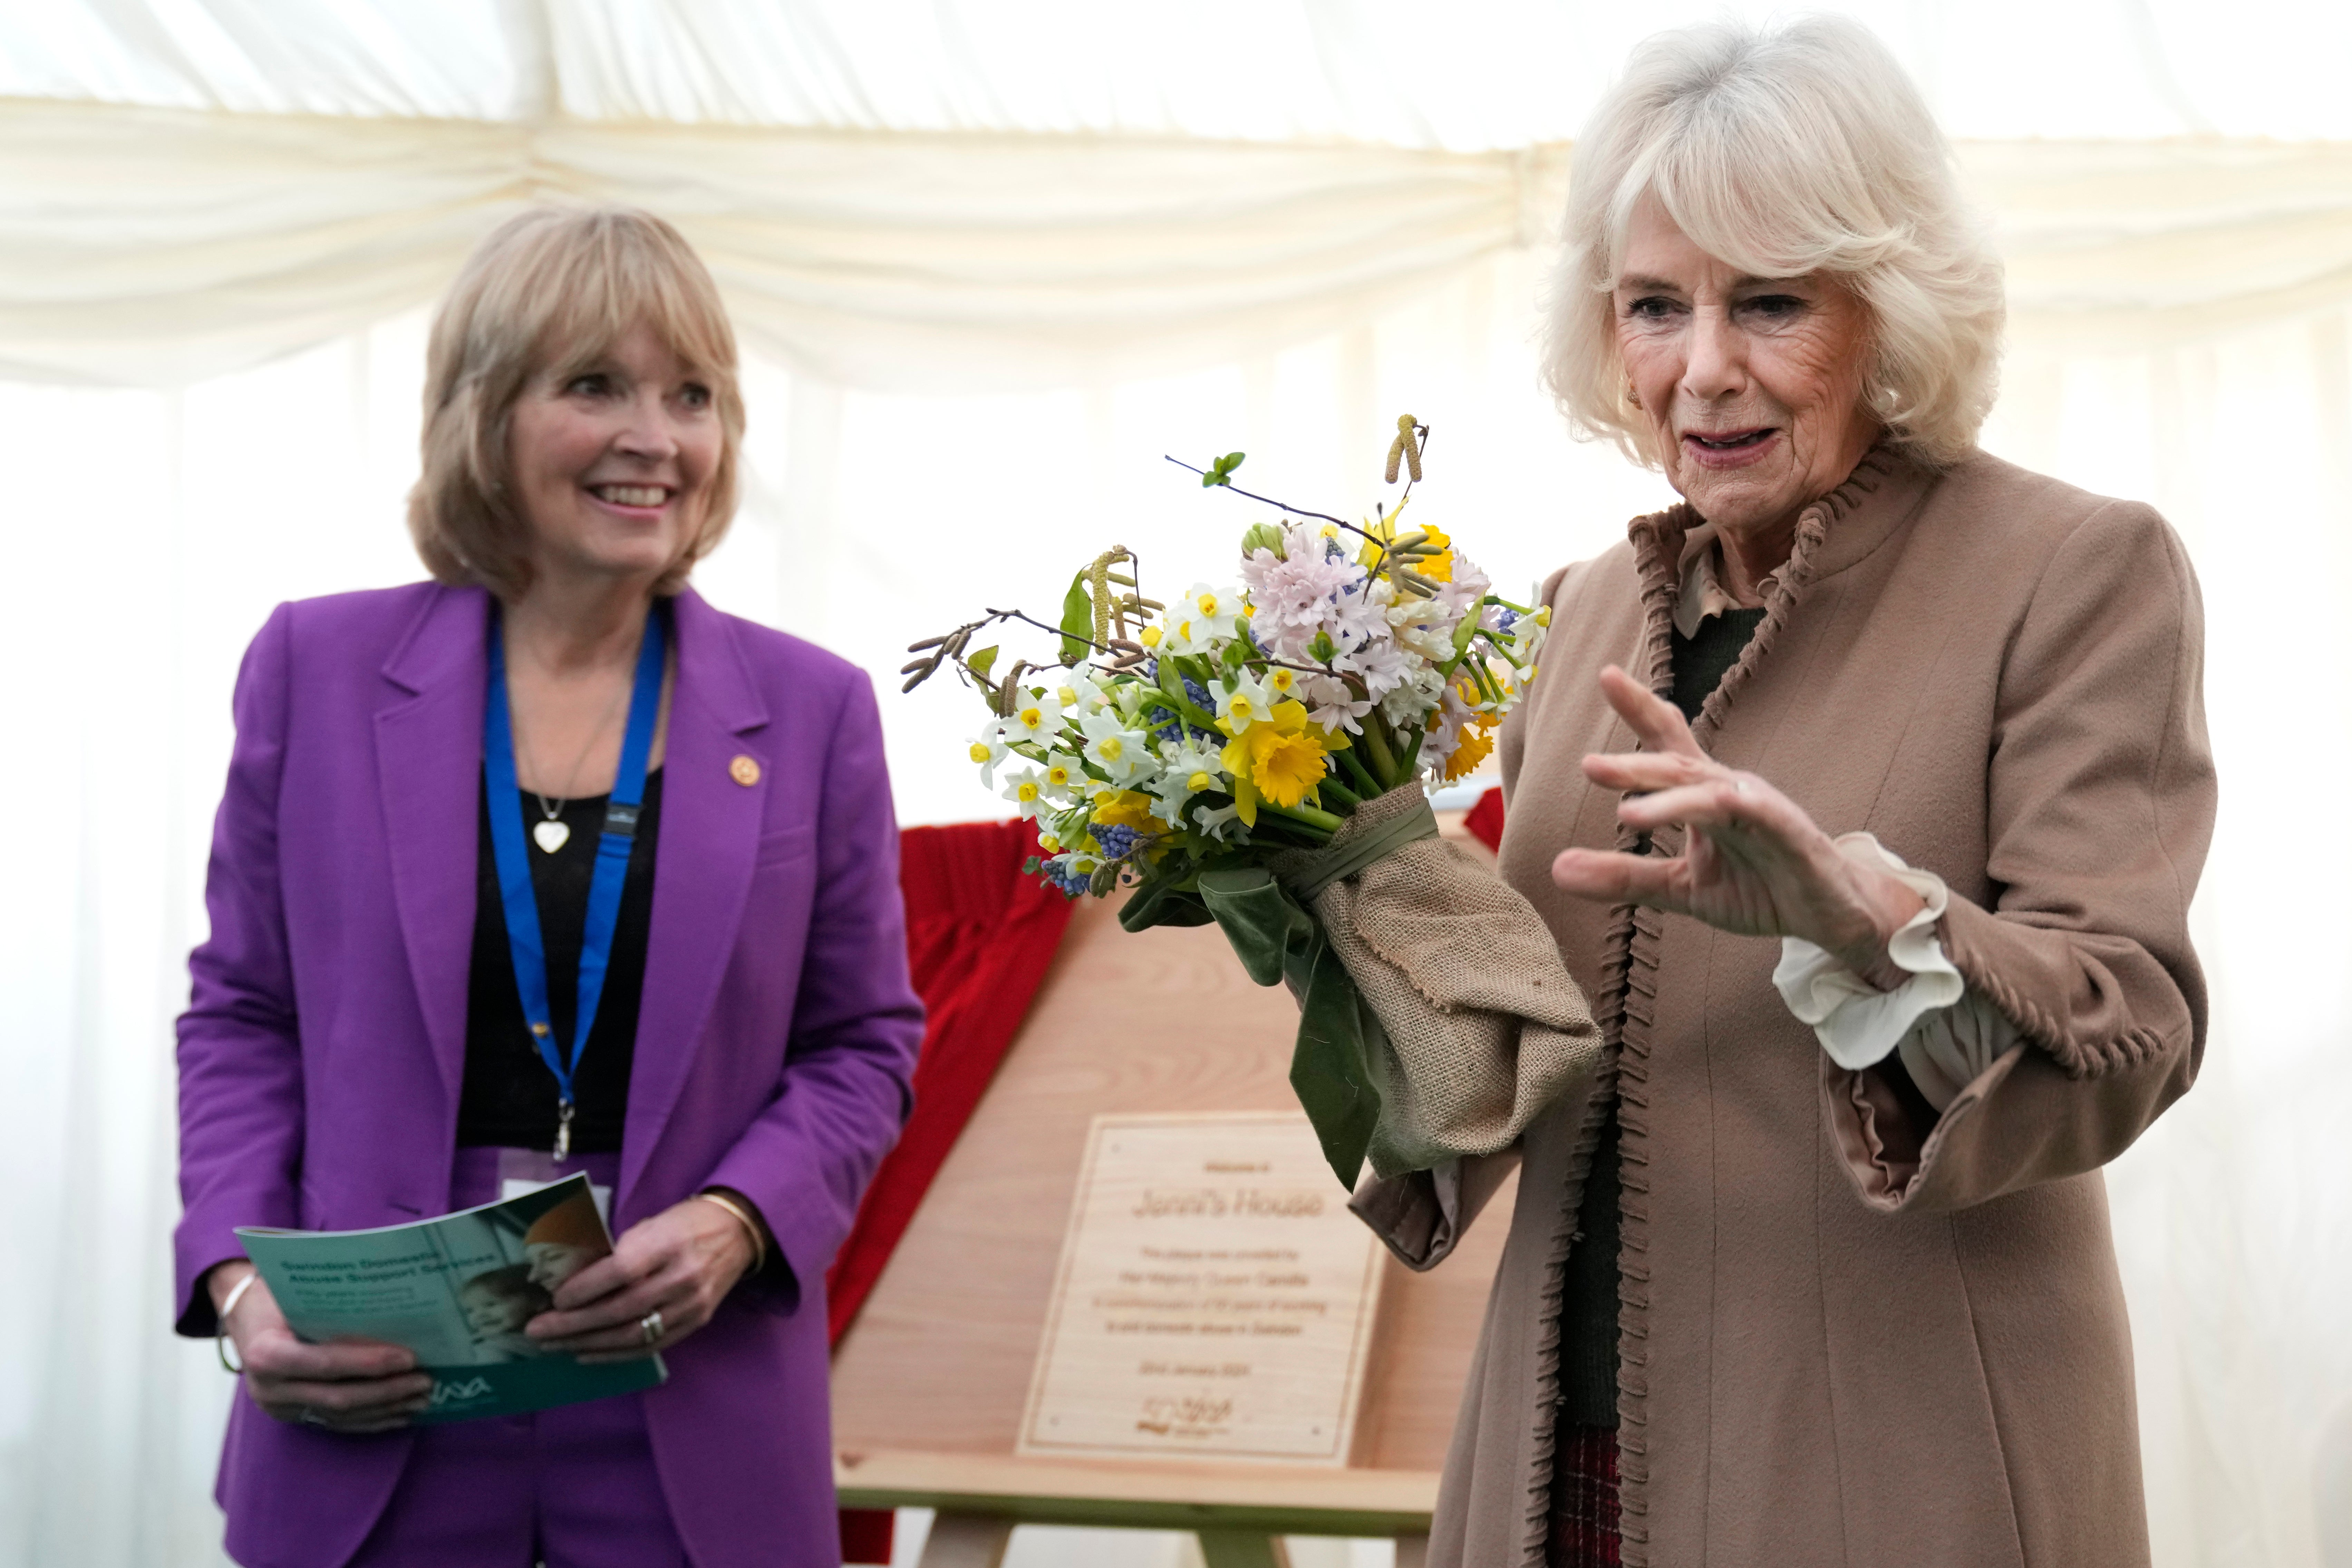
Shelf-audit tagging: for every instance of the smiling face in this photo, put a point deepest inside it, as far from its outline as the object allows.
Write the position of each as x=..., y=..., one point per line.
x=1752, y=387
x=613, y=461
x=490, y=1311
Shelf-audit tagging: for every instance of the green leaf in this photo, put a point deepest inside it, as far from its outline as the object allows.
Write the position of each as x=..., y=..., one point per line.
x=979, y=663
x=1077, y=620
x=1220, y=471
x=1172, y=683
x=1338, y=1035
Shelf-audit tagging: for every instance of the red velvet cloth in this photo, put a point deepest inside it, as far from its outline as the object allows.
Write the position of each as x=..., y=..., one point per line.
x=1486, y=819
x=868, y=1534
x=980, y=937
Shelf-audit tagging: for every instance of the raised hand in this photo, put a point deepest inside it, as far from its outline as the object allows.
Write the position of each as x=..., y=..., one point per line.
x=1752, y=861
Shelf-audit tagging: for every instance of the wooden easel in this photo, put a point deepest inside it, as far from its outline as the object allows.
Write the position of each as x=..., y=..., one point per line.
x=929, y=1384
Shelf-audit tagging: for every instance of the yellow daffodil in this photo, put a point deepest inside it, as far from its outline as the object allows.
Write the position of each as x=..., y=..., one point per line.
x=1475, y=745
x=1280, y=758
x=1126, y=808
x=1472, y=749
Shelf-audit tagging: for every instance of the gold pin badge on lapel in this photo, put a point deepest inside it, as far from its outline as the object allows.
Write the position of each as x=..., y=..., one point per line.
x=744, y=771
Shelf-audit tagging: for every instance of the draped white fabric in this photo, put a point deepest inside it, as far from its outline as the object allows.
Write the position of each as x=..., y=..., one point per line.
x=990, y=262
x=154, y=247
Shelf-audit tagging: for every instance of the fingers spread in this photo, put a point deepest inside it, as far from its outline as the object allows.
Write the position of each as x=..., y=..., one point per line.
x=1658, y=722
x=1616, y=879
x=1647, y=770
x=1716, y=802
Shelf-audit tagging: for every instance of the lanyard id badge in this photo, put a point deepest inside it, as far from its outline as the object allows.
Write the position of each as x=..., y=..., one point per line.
x=520, y=901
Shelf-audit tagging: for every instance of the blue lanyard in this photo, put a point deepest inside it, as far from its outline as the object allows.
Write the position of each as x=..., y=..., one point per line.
x=524, y=943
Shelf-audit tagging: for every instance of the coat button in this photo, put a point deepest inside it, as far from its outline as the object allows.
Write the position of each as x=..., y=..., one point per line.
x=744, y=771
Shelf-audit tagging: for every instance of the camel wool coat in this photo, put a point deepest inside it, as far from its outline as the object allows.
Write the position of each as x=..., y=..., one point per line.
x=1839, y=1342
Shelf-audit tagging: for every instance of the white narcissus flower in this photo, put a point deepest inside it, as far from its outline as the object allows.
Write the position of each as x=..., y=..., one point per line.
x=1027, y=790
x=1281, y=683
x=1185, y=633
x=1217, y=822
x=1213, y=613
x=988, y=749
x=1079, y=693
x=1064, y=780
x=1033, y=718
x=1242, y=700
x=1118, y=751
x=1185, y=771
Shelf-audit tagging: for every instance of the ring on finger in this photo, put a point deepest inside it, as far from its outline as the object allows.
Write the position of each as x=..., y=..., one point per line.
x=650, y=1326
x=311, y=1417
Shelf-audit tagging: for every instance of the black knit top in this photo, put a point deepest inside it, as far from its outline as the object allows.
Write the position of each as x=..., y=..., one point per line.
x=509, y=1097
x=1587, y=1307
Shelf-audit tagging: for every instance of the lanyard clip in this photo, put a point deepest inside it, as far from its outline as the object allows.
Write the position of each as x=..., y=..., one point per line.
x=562, y=1130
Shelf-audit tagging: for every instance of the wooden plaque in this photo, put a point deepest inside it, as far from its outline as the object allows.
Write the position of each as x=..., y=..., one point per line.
x=1215, y=1299
x=930, y=1384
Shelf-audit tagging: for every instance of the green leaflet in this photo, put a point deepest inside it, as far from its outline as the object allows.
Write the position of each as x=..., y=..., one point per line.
x=1162, y=903
x=1077, y=620
x=1276, y=940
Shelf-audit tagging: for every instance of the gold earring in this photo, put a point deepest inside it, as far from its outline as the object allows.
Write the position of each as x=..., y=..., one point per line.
x=1632, y=397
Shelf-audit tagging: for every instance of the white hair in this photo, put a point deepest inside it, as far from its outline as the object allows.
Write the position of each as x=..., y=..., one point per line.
x=1797, y=149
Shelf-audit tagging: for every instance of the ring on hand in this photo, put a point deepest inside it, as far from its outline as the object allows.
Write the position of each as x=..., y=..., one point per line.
x=311, y=1417
x=650, y=1325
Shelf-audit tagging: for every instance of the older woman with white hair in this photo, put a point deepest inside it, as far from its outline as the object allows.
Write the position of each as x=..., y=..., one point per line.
x=1820, y=1271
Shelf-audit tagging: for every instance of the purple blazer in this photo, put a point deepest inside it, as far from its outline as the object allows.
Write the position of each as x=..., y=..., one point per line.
x=323, y=1046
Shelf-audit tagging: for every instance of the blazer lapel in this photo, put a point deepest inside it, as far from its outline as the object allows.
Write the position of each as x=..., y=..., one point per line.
x=710, y=836
x=429, y=754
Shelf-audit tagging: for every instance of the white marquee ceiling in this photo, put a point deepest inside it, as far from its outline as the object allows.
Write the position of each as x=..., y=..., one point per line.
x=932, y=196
x=1466, y=75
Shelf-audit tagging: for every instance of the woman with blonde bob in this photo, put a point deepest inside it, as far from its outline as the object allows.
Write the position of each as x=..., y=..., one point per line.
x=1820, y=1271
x=420, y=991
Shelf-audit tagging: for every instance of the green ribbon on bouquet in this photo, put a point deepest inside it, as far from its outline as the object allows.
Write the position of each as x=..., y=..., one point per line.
x=1279, y=942
x=1330, y=1067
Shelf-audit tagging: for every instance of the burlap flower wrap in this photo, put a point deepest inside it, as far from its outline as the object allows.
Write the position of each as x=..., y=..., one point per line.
x=1436, y=1018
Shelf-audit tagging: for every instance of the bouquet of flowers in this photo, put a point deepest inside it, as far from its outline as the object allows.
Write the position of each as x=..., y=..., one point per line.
x=1257, y=750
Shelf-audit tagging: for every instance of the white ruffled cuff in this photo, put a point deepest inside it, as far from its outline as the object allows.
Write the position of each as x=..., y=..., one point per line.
x=1857, y=1024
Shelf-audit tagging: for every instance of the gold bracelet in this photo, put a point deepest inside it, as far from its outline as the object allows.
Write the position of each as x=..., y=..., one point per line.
x=744, y=1216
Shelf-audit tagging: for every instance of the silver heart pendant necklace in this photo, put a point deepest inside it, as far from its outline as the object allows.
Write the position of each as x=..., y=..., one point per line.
x=551, y=833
